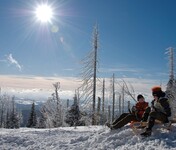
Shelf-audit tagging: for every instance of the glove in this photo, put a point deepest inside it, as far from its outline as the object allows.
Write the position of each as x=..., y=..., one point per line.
x=133, y=109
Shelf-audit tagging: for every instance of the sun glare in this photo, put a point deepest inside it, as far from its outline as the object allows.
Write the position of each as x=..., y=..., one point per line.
x=44, y=13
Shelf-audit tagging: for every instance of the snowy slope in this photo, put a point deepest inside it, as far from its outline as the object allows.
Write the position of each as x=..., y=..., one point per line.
x=85, y=138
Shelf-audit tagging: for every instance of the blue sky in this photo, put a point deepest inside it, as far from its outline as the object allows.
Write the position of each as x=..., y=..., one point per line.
x=133, y=36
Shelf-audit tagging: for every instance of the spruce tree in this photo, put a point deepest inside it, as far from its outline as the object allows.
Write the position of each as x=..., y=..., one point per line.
x=14, y=121
x=73, y=115
x=32, y=122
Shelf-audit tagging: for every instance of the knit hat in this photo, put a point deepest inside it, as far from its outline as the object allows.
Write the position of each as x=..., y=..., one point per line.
x=157, y=91
x=139, y=96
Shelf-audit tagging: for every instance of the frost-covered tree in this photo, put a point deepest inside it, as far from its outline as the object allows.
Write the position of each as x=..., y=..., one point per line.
x=4, y=106
x=171, y=85
x=41, y=121
x=14, y=119
x=73, y=115
x=32, y=121
x=52, y=109
x=59, y=115
x=89, y=76
x=7, y=124
x=9, y=117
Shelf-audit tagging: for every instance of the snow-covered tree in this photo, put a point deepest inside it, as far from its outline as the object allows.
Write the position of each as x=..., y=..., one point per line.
x=41, y=121
x=32, y=121
x=52, y=110
x=73, y=115
x=9, y=117
x=89, y=76
x=14, y=119
x=4, y=106
x=171, y=85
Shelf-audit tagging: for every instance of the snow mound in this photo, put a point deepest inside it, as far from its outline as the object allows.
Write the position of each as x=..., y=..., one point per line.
x=85, y=138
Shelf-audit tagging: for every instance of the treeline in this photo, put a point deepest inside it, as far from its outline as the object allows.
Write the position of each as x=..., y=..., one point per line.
x=9, y=116
x=52, y=113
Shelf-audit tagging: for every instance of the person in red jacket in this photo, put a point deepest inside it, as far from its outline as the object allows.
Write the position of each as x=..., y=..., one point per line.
x=137, y=114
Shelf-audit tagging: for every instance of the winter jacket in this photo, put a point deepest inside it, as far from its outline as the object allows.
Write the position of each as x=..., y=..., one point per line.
x=162, y=105
x=140, y=108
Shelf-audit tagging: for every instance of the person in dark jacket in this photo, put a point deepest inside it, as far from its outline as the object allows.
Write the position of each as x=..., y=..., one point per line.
x=160, y=110
x=136, y=115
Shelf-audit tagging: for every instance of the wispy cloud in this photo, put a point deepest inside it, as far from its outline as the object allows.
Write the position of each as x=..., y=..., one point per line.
x=12, y=60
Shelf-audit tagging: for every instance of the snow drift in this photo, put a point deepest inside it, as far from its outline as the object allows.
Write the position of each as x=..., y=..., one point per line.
x=85, y=138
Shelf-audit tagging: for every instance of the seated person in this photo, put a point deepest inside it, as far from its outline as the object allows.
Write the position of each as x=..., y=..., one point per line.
x=160, y=110
x=136, y=115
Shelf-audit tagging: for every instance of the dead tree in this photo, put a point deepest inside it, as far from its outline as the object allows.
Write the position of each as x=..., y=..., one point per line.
x=171, y=85
x=89, y=76
x=58, y=103
x=120, y=107
x=123, y=98
x=128, y=89
x=109, y=114
x=103, y=103
x=98, y=111
x=68, y=103
x=170, y=52
x=112, y=95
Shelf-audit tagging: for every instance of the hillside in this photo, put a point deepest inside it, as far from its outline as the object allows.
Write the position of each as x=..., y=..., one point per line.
x=85, y=138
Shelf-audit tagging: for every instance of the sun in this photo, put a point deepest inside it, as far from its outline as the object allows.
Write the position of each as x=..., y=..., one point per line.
x=44, y=13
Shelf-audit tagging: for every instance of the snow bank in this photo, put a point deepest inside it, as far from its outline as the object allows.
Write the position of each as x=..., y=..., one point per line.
x=85, y=138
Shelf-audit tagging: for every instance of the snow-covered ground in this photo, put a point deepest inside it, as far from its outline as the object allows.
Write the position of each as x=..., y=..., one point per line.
x=85, y=138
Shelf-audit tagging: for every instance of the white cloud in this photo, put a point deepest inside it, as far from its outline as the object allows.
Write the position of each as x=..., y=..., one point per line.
x=12, y=60
x=38, y=87
x=42, y=88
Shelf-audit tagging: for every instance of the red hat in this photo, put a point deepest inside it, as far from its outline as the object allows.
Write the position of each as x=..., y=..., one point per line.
x=157, y=91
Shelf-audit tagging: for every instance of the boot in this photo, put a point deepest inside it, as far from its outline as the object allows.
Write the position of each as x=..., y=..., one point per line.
x=142, y=125
x=109, y=125
x=147, y=133
x=168, y=125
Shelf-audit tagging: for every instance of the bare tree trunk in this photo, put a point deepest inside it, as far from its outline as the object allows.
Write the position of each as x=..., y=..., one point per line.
x=113, y=97
x=67, y=103
x=120, y=107
x=98, y=110
x=103, y=100
x=78, y=96
x=170, y=84
x=89, y=75
x=2, y=114
x=95, y=44
x=123, y=96
x=109, y=114
x=129, y=107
